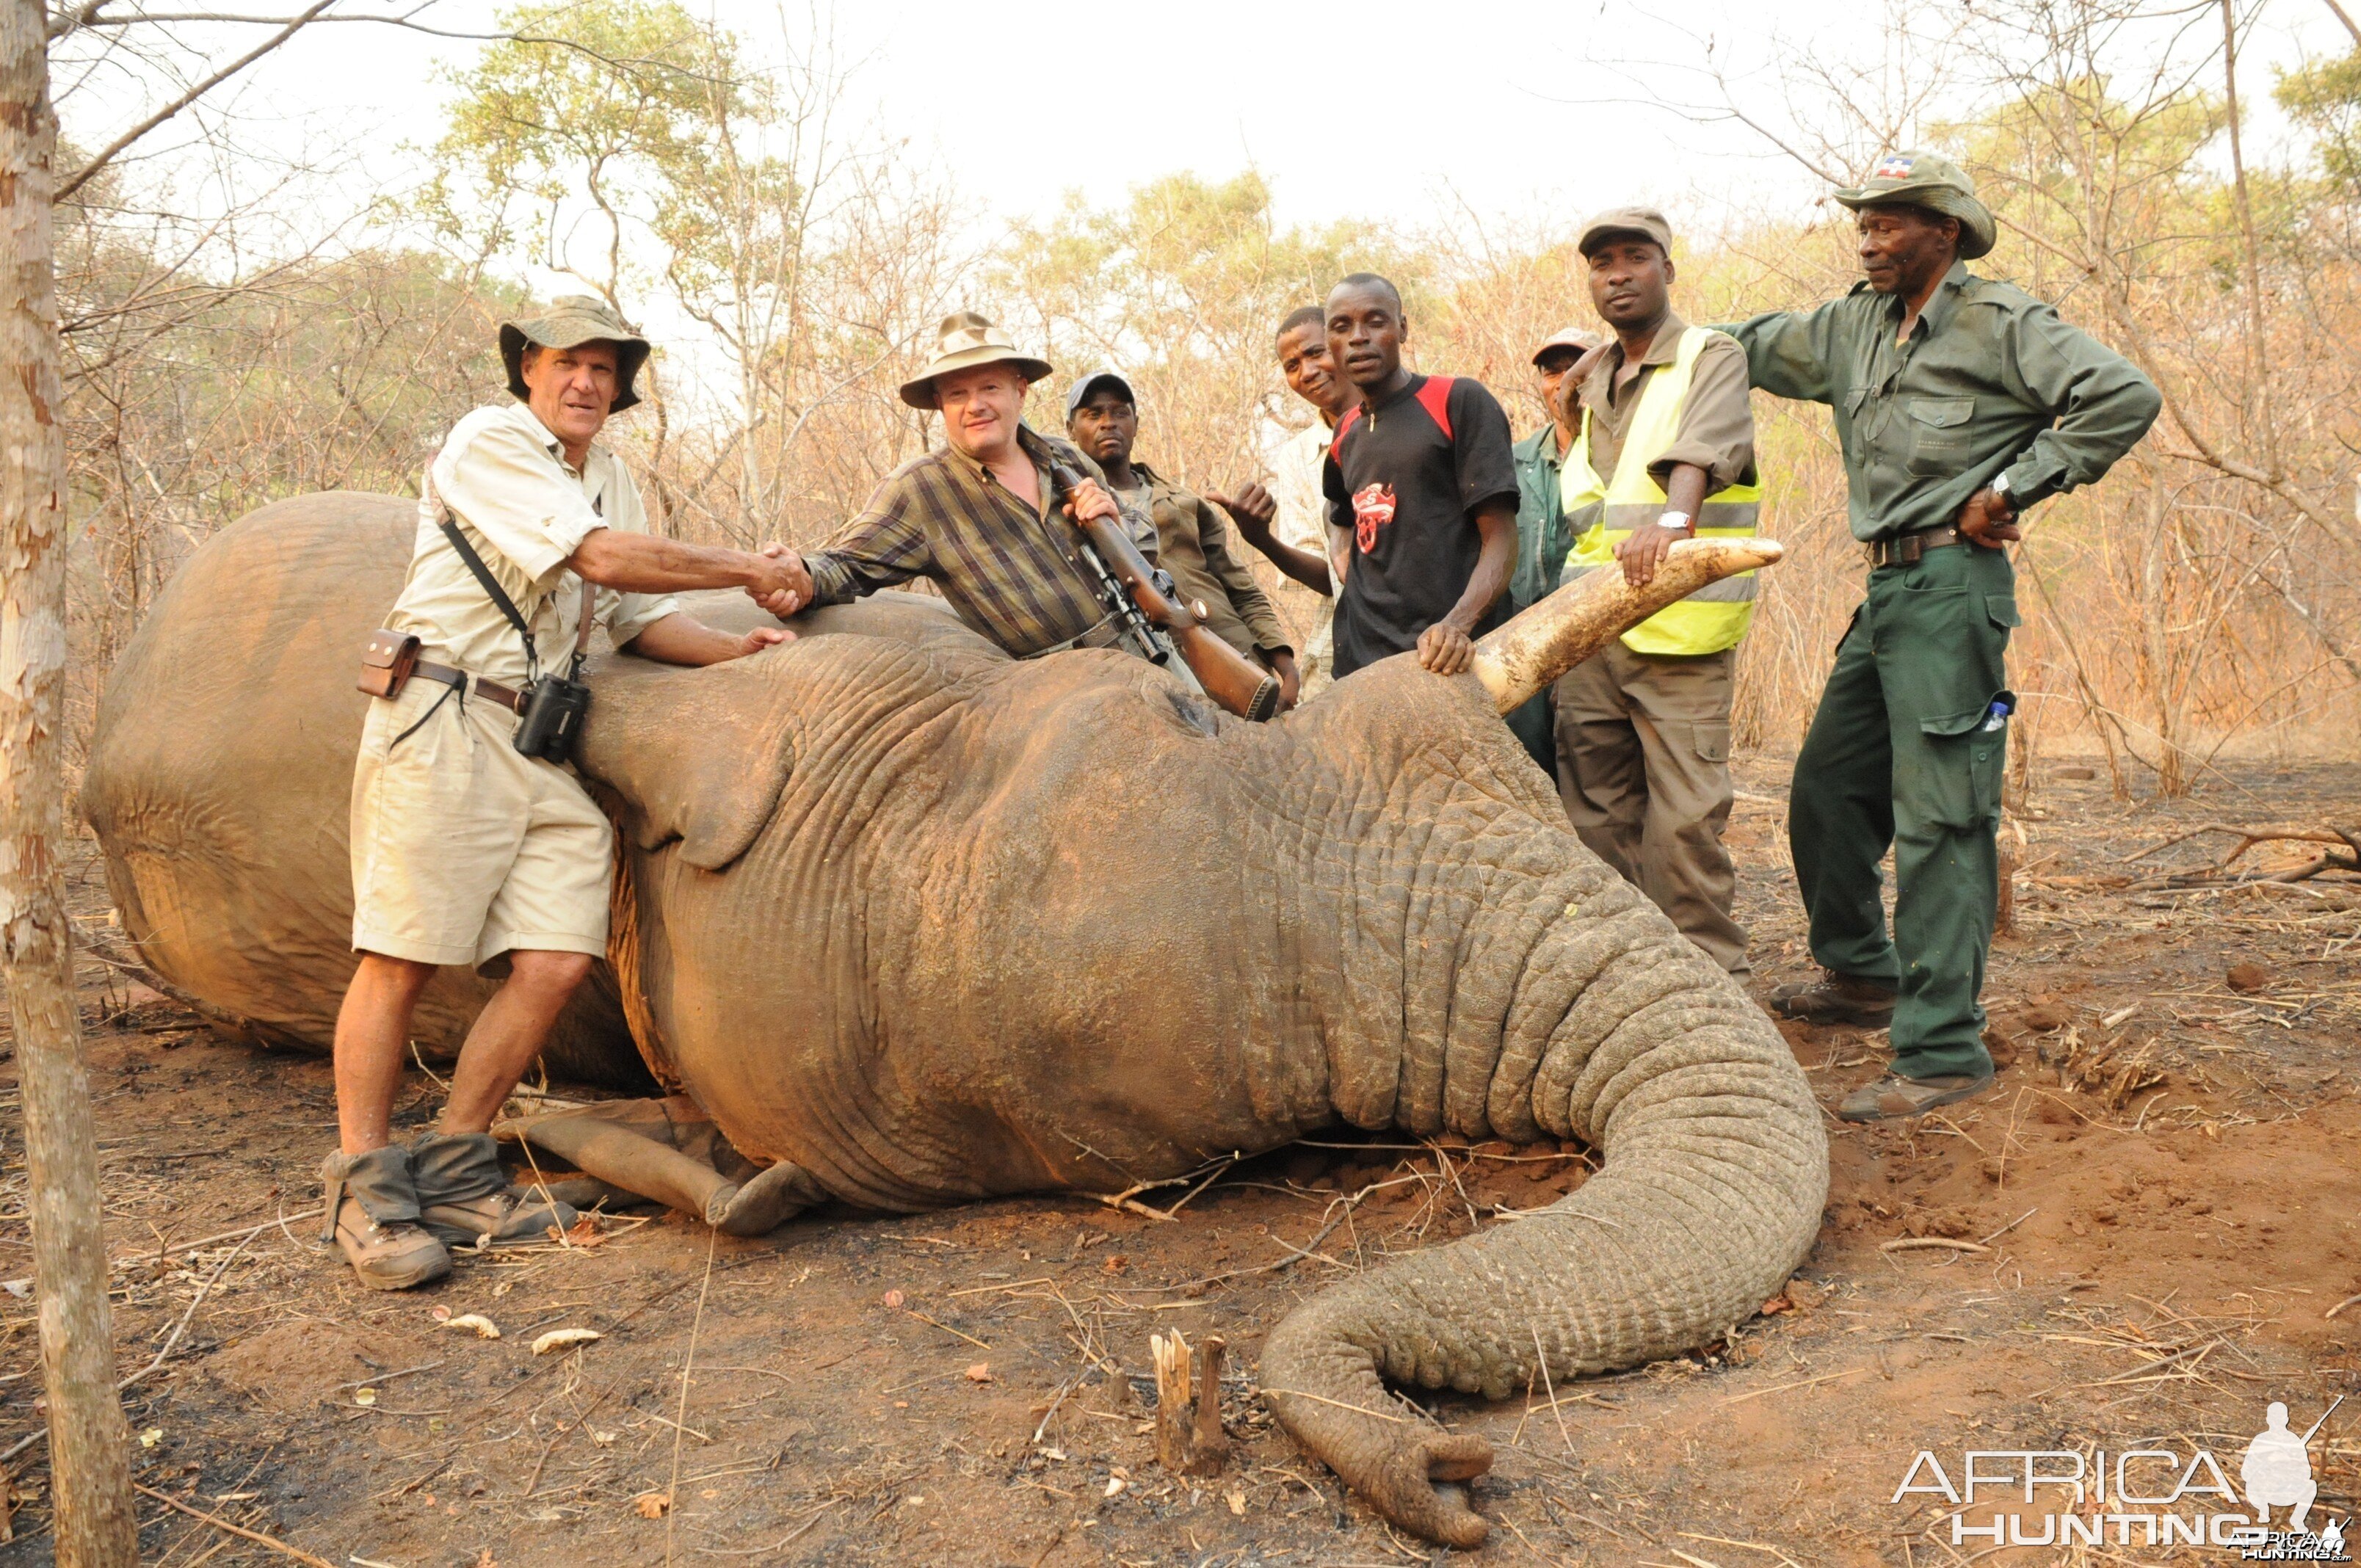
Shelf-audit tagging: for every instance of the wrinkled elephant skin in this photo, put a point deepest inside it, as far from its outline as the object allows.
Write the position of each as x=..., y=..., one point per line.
x=933, y=926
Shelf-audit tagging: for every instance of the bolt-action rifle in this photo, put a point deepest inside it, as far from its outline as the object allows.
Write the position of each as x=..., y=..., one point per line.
x=1156, y=622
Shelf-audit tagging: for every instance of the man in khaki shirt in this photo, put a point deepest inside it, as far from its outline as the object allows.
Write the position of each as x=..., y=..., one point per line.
x=1643, y=724
x=466, y=850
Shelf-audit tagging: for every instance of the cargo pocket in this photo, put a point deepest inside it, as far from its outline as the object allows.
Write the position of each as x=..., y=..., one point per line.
x=1938, y=434
x=1967, y=752
x=2001, y=610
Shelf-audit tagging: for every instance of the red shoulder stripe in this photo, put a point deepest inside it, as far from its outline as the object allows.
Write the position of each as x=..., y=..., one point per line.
x=1336, y=441
x=1435, y=395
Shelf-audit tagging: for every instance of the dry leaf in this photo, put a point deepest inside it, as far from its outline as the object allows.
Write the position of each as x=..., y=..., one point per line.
x=485, y=1328
x=980, y=1372
x=893, y=1299
x=1114, y=1484
x=1237, y=1501
x=565, y=1339
x=363, y=1397
x=486, y=1560
x=602, y=1439
x=585, y=1232
x=652, y=1505
x=151, y=1437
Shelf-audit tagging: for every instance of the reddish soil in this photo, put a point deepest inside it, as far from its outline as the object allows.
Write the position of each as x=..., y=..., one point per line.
x=2159, y=1201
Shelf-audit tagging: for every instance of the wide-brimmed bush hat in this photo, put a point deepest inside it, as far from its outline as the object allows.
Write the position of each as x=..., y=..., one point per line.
x=963, y=341
x=569, y=322
x=1933, y=182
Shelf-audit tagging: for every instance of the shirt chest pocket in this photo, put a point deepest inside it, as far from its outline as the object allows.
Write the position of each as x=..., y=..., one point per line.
x=1938, y=429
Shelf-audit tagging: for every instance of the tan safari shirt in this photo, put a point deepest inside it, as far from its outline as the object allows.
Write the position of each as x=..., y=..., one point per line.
x=504, y=477
x=1200, y=551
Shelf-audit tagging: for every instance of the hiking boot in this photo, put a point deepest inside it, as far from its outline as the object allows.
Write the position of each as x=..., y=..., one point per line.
x=371, y=1215
x=1837, y=999
x=465, y=1197
x=1892, y=1098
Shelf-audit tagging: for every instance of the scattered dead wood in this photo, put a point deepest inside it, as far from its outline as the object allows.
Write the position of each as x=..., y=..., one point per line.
x=2114, y=1071
x=1188, y=1436
x=2343, y=855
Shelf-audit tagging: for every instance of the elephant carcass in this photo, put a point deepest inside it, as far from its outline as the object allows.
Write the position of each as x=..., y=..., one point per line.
x=914, y=923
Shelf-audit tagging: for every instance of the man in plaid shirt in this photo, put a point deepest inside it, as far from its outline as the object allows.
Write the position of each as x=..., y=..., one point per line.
x=980, y=517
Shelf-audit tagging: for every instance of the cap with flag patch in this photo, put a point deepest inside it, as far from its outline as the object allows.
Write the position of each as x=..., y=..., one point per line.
x=1929, y=179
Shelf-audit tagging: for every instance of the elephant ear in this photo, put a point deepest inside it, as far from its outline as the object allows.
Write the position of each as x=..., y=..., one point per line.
x=702, y=755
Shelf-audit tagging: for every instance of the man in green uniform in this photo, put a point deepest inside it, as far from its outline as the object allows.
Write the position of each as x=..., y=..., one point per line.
x=1959, y=402
x=1543, y=534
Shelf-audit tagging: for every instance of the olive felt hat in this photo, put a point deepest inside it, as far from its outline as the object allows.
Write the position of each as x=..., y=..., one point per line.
x=1933, y=182
x=571, y=321
x=962, y=342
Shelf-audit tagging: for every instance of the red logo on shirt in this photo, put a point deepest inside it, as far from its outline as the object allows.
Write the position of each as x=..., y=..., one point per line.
x=1373, y=508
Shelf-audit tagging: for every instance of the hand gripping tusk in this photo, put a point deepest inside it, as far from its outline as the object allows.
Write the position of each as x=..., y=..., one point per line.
x=1550, y=638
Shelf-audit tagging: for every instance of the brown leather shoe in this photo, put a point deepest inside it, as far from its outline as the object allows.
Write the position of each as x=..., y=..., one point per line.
x=371, y=1213
x=464, y=1196
x=1892, y=1099
x=1837, y=999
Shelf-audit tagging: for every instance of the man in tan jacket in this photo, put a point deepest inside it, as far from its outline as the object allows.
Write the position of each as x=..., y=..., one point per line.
x=1103, y=419
x=465, y=849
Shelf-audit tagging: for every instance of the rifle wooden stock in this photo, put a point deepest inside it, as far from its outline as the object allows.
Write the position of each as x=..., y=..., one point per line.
x=1229, y=677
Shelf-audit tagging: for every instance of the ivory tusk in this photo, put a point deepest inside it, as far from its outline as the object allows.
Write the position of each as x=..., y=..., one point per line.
x=1550, y=638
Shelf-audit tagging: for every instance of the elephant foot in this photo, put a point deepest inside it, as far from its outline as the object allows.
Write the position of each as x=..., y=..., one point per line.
x=667, y=1151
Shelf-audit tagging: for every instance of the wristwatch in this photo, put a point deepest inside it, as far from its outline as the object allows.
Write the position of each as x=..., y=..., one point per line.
x=1999, y=486
x=1677, y=521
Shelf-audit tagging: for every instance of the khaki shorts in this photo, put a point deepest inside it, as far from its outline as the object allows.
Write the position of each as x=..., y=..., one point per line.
x=462, y=848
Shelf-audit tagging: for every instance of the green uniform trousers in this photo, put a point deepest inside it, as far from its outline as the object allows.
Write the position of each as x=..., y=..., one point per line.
x=1903, y=751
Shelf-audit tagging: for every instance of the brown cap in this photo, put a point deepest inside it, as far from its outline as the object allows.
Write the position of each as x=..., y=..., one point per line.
x=570, y=321
x=1575, y=340
x=1646, y=222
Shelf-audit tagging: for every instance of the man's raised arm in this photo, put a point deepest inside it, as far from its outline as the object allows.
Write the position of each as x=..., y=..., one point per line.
x=1788, y=352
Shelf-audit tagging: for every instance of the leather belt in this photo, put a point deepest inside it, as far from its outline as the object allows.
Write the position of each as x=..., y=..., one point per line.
x=491, y=691
x=1906, y=549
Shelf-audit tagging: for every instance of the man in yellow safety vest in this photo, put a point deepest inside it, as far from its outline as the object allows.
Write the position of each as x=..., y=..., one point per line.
x=1664, y=450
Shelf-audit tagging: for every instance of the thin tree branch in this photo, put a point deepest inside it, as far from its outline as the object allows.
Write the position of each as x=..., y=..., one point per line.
x=70, y=186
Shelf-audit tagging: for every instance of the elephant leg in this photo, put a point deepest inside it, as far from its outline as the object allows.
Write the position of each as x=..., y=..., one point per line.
x=624, y=1143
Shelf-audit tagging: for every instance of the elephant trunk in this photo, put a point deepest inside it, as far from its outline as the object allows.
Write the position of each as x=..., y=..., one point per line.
x=1548, y=639
x=1715, y=1173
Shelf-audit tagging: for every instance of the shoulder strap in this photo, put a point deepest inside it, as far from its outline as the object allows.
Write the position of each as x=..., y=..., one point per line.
x=1336, y=441
x=1435, y=395
x=484, y=574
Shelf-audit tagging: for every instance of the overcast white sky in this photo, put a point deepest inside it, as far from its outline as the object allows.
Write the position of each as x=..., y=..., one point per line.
x=1383, y=110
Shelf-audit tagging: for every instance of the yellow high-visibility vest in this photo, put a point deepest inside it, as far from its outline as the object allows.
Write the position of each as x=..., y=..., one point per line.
x=1602, y=515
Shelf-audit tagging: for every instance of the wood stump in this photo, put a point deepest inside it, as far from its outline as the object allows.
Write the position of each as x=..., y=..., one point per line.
x=1188, y=1436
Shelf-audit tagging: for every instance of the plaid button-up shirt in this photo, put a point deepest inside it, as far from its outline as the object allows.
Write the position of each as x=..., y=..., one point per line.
x=1013, y=572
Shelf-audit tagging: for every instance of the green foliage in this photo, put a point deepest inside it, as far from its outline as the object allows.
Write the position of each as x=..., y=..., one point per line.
x=1182, y=288
x=597, y=123
x=2325, y=99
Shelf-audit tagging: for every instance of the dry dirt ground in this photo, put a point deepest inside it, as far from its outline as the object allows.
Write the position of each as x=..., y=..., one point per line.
x=2157, y=1205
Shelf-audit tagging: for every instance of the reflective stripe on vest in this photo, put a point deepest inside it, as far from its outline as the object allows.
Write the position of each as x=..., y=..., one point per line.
x=1602, y=515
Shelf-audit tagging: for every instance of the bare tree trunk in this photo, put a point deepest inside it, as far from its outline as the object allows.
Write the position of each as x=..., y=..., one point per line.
x=89, y=1457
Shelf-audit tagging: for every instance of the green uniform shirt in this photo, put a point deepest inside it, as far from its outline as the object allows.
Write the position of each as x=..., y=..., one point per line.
x=1990, y=381
x=1543, y=537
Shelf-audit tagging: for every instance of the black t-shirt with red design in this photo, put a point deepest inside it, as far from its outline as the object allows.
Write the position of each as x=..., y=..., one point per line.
x=1406, y=478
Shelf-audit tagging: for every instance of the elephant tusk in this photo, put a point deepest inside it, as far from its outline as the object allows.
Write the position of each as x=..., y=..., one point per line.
x=1550, y=638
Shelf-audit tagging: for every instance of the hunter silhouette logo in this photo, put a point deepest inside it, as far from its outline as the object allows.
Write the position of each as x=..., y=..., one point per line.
x=2277, y=1475
x=2148, y=1496
x=1373, y=508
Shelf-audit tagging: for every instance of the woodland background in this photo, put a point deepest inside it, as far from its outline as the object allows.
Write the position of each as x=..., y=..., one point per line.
x=228, y=352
